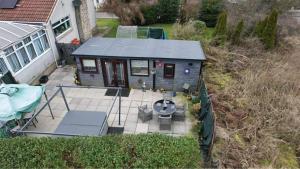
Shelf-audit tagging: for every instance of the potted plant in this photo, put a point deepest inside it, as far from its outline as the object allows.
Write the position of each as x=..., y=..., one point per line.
x=194, y=95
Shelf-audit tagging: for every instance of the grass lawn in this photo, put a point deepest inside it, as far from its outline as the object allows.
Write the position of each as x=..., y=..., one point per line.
x=108, y=27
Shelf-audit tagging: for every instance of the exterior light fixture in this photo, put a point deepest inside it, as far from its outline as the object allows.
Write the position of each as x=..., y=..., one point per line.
x=187, y=71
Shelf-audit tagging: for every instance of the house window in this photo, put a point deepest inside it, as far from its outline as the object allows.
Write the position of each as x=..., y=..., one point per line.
x=3, y=67
x=169, y=70
x=22, y=53
x=23, y=56
x=61, y=26
x=12, y=59
x=89, y=65
x=139, y=67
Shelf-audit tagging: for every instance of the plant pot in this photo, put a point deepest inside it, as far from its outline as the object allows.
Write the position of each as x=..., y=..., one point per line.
x=194, y=96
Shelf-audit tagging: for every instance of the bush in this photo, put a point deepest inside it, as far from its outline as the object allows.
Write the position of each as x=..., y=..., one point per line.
x=235, y=38
x=186, y=31
x=189, y=10
x=150, y=14
x=165, y=11
x=270, y=31
x=122, y=151
x=200, y=26
x=210, y=11
x=266, y=30
x=168, y=10
x=220, y=31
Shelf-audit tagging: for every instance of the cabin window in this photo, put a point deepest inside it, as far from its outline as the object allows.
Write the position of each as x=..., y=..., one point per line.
x=139, y=67
x=89, y=65
x=169, y=71
x=61, y=26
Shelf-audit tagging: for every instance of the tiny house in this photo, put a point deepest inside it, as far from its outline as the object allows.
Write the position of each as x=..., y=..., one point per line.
x=155, y=63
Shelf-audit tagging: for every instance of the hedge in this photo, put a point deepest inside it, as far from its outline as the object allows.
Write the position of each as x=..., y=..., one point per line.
x=115, y=151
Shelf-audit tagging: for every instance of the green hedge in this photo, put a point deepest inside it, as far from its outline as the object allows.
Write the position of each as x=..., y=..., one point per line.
x=120, y=151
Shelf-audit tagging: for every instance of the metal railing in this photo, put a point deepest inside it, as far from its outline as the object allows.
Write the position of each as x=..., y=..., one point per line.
x=60, y=90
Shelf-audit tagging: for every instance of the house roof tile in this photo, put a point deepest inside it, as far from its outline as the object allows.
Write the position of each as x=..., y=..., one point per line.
x=28, y=11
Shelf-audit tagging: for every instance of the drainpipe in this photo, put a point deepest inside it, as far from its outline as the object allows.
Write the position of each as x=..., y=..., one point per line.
x=77, y=4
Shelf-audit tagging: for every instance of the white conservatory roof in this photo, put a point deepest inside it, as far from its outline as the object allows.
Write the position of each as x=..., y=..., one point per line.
x=11, y=32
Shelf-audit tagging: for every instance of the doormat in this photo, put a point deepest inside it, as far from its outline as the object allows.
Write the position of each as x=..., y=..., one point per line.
x=115, y=130
x=113, y=92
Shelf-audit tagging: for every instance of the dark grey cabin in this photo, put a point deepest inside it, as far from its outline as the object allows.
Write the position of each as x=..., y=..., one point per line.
x=166, y=64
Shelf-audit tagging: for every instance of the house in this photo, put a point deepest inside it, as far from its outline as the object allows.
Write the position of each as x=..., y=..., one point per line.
x=155, y=63
x=24, y=50
x=61, y=21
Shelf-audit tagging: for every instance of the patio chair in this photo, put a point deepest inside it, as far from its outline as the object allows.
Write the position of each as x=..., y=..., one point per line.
x=165, y=122
x=179, y=114
x=28, y=116
x=145, y=113
x=168, y=96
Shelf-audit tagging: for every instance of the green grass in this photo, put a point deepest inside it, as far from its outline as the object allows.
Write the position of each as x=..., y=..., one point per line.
x=114, y=151
x=108, y=27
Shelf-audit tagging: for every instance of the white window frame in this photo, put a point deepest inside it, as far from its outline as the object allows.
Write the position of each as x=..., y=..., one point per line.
x=61, y=22
x=31, y=60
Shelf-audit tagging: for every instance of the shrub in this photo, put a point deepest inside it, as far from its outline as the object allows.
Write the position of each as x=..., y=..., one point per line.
x=122, y=151
x=266, y=30
x=237, y=32
x=167, y=10
x=260, y=26
x=269, y=33
x=186, y=31
x=220, y=31
x=189, y=10
x=200, y=26
x=150, y=14
x=210, y=11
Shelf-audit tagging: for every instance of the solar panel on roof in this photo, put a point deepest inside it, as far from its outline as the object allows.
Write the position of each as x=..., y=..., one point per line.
x=8, y=4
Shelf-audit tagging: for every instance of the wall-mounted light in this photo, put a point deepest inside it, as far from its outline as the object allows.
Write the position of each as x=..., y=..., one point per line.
x=187, y=71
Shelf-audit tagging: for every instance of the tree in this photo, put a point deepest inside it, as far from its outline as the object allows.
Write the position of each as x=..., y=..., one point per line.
x=270, y=31
x=237, y=32
x=210, y=10
x=220, y=31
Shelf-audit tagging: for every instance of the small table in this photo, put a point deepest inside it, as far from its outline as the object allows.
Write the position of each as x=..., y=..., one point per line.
x=164, y=109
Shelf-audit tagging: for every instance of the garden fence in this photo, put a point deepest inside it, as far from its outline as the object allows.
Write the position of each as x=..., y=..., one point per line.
x=207, y=128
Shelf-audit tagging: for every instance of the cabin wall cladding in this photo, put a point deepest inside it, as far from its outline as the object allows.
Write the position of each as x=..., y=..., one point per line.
x=87, y=79
x=134, y=80
x=180, y=76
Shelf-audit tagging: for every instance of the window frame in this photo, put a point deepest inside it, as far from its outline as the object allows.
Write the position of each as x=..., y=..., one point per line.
x=24, y=45
x=167, y=76
x=3, y=66
x=132, y=74
x=62, y=21
x=87, y=71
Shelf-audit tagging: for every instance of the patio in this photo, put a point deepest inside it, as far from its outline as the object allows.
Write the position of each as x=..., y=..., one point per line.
x=91, y=99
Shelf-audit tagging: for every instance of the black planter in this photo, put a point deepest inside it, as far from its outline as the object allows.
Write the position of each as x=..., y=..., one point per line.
x=44, y=79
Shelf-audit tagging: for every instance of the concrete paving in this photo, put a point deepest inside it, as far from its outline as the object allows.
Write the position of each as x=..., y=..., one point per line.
x=88, y=99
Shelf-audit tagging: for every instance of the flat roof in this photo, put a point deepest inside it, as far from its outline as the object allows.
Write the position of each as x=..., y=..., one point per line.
x=141, y=48
x=11, y=32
